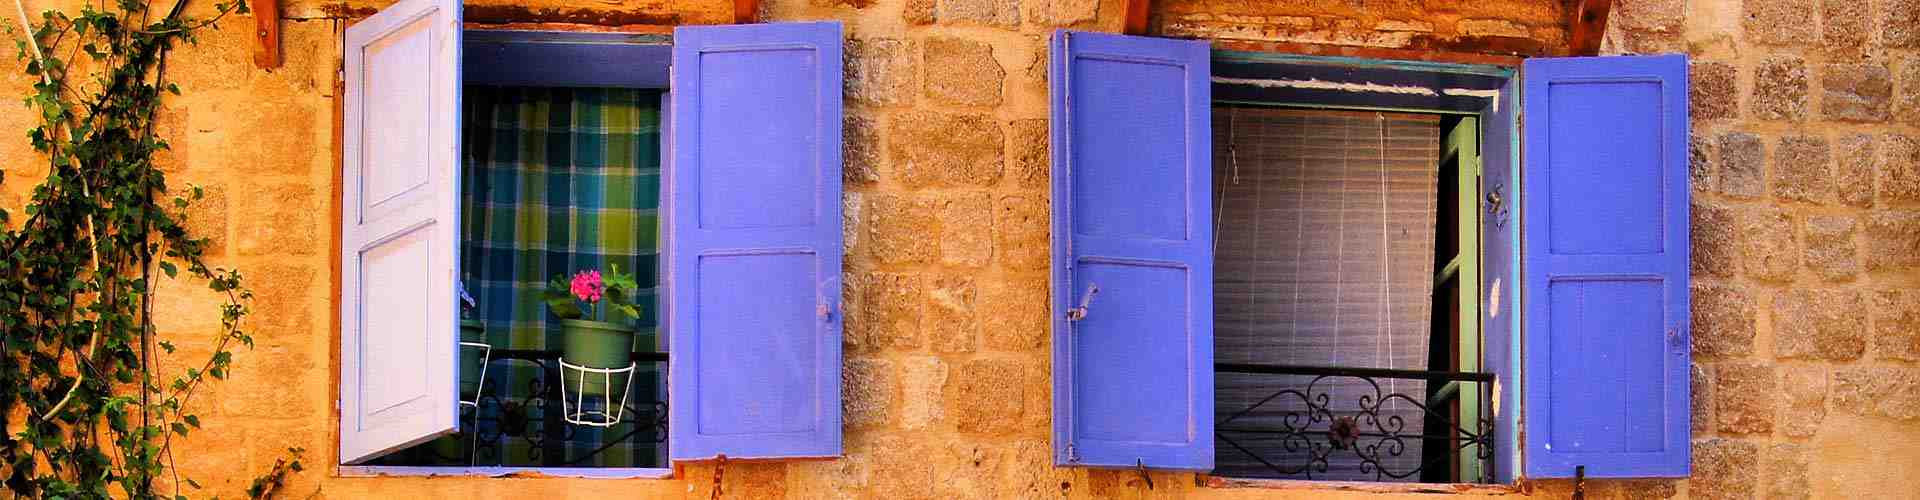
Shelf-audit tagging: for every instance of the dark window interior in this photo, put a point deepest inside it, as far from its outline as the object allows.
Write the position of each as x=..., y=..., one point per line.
x=1334, y=233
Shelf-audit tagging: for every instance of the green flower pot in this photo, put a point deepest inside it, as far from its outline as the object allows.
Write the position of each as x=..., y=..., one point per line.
x=600, y=345
x=471, y=330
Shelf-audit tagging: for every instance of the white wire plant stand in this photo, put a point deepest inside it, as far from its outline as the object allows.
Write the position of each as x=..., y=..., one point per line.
x=479, y=390
x=574, y=401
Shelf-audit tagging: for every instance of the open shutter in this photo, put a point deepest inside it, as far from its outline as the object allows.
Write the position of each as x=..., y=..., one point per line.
x=753, y=241
x=1132, y=252
x=399, y=244
x=1605, y=232
x=1500, y=269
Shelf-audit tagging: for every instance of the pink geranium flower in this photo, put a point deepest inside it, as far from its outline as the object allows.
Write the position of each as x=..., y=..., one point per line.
x=588, y=287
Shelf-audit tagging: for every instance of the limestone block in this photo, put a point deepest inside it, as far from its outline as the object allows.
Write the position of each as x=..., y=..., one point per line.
x=1854, y=169
x=952, y=325
x=1856, y=92
x=1801, y=170
x=1780, y=89
x=1741, y=161
x=1724, y=469
x=962, y=71
x=1830, y=249
x=1819, y=324
x=1020, y=232
x=880, y=71
x=1723, y=319
x=1893, y=240
x=966, y=230
x=1781, y=22
x=1770, y=252
x=1743, y=397
x=929, y=148
x=1715, y=92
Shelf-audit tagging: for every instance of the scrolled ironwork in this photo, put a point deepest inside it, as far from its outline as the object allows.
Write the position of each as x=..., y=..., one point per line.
x=532, y=416
x=1314, y=430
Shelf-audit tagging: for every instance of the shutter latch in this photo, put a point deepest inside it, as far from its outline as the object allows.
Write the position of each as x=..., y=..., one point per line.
x=1580, y=482
x=1080, y=313
x=1141, y=466
x=1497, y=206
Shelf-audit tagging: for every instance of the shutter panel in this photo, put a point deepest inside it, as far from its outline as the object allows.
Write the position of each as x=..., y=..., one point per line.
x=1606, y=249
x=398, y=229
x=754, y=241
x=1132, y=161
x=1500, y=269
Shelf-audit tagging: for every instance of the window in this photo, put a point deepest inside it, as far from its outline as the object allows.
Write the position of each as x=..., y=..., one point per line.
x=1521, y=315
x=491, y=162
x=1334, y=275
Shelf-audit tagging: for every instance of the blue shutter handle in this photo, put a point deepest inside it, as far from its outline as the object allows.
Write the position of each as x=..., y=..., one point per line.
x=1080, y=313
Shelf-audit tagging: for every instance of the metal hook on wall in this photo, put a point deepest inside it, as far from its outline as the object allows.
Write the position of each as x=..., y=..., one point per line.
x=1141, y=466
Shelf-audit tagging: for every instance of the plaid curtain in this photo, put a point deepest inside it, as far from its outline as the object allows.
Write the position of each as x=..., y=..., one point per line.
x=559, y=180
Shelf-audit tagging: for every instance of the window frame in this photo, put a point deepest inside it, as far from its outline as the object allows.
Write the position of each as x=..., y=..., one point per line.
x=544, y=58
x=1508, y=419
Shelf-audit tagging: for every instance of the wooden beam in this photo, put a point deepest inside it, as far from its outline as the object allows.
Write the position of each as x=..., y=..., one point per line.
x=266, y=33
x=1137, y=16
x=746, y=11
x=1314, y=49
x=1587, y=26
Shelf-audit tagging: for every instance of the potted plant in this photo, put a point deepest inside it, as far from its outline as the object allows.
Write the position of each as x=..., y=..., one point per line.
x=596, y=313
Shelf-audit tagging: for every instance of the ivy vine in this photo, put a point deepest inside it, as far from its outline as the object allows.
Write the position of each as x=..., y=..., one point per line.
x=91, y=401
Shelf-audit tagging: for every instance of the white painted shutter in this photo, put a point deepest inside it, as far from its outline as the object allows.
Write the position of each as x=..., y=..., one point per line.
x=399, y=229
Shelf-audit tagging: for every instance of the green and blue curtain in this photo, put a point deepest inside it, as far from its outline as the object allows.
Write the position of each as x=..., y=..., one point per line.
x=556, y=181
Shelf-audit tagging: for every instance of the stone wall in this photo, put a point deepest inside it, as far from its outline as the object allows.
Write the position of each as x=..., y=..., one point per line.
x=1806, y=155
x=1805, y=234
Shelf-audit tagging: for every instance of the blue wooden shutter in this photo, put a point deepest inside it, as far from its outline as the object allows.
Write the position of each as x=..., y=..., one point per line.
x=1500, y=269
x=1133, y=378
x=1605, y=299
x=753, y=241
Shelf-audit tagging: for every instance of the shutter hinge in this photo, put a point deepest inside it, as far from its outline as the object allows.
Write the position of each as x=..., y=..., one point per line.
x=1073, y=455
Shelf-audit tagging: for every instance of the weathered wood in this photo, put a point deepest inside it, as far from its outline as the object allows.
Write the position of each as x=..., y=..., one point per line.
x=746, y=11
x=1137, y=16
x=1313, y=49
x=1587, y=26
x=266, y=33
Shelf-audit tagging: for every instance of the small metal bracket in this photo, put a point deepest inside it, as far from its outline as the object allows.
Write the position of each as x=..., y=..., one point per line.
x=1073, y=455
x=1080, y=313
x=719, y=471
x=1141, y=467
x=1579, y=482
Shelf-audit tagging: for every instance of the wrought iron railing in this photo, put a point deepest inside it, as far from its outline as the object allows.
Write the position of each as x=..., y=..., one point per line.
x=1350, y=423
x=532, y=415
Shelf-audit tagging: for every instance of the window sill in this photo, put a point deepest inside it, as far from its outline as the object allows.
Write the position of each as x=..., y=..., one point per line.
x=1210, y=481
x=512, y=472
